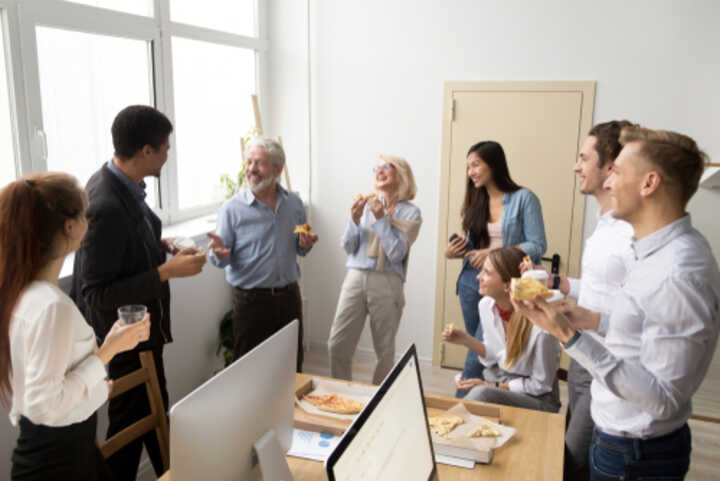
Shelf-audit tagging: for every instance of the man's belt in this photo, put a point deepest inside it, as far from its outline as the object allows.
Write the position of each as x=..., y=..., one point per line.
x=269, y=291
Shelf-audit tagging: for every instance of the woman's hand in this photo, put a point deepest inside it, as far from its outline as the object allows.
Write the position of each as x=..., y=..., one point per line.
x=456, y=248
x=454, y=336
x=123, y=337
x=467, y=384
x=377, y=208
x=477, y=257
x=357, y=208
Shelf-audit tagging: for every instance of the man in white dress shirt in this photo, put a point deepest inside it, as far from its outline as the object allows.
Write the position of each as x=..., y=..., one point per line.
x=663, y=326
x=604, y=262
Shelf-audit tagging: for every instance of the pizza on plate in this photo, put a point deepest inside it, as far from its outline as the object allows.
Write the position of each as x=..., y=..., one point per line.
x=334, y=403
x=303, y=229
x=442, y=424
x=526, y=288
x=485, y=431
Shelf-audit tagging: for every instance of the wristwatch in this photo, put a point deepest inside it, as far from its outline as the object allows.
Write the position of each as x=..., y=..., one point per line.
x=556, y=281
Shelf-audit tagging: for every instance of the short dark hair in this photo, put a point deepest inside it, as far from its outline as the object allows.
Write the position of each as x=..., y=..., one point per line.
x=677, y=156
x=607, y=144
x=137, y=126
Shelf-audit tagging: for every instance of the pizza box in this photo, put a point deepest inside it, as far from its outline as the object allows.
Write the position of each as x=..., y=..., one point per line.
x=335, y=424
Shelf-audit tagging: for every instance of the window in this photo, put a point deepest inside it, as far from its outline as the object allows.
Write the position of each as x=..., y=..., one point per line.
x=236, y=16
x=7, y=154
x=137, y=7
x=209, y=126
x=85, y=60
x=85, y=80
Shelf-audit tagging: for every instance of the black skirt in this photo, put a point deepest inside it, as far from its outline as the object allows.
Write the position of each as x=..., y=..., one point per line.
x=58, y=453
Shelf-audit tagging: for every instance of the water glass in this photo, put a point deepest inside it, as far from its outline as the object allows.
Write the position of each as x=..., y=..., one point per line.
x=132, y=313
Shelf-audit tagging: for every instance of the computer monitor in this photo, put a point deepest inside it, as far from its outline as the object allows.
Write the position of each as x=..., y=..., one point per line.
x=245, y=412
x=390, y=438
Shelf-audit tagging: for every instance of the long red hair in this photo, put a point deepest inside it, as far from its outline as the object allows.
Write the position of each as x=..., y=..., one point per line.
x=33, y=211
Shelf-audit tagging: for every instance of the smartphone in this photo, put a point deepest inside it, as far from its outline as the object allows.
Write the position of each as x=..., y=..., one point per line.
x=453, y=237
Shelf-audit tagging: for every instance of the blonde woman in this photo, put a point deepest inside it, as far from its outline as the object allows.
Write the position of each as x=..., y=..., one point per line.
x=377, y=240
x=519, y=360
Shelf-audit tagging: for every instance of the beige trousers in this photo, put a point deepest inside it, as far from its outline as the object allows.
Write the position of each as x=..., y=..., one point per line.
x=378, y=295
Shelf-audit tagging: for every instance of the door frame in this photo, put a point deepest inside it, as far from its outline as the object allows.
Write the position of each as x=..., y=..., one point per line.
x=587, y=92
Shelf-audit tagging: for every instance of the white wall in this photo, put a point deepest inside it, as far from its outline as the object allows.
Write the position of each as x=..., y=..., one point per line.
x=378, y=69
x=197, y=304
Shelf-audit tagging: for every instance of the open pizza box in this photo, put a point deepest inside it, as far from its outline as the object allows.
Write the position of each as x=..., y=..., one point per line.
x=481, y=450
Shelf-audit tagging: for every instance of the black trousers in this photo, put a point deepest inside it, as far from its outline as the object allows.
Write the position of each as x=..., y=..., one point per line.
x=45, y=453
x=259, y=313
x=124, y=410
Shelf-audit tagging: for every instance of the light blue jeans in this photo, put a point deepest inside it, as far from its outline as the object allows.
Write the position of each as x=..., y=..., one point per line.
x=467, y=291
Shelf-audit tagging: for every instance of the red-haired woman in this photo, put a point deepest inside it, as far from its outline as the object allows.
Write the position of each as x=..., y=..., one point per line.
x=51, y=369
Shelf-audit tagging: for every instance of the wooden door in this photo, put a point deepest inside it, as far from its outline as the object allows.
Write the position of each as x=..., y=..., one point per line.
x=541, y=126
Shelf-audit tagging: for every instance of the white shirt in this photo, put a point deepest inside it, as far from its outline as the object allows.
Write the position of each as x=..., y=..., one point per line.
x=661, y=338
x=605, y=262
x=56, y=378
x=534, y=371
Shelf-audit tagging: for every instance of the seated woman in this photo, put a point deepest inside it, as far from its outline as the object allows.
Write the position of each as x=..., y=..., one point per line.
x=520, y=360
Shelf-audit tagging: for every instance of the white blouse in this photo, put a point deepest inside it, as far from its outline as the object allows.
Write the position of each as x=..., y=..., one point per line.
x=56, y=378
x=534, y=371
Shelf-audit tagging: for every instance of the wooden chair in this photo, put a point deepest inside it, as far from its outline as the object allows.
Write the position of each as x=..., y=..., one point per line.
x=157, y=418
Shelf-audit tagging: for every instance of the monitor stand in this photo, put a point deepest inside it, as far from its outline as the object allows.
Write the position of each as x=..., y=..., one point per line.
x=271, y=459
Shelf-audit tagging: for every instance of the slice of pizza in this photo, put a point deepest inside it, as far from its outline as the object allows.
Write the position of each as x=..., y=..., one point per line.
x=303, y=229
x=442, y=424
x=334, y=403
x=526, y=288
x=485, y=431
x=365, y=197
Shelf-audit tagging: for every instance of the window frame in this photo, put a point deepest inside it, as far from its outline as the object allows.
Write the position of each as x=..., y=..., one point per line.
x=20, y=19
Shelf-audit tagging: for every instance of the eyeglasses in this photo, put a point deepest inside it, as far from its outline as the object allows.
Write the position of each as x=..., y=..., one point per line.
x=384, y=167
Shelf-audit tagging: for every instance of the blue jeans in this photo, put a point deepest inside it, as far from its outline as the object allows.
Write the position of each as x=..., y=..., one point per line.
x=467, y=291
x=665, y=458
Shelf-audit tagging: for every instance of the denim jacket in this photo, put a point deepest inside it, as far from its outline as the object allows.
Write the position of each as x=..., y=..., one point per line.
x=522, y=225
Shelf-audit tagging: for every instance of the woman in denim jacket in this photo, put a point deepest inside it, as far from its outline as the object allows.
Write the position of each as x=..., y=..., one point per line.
x=496, y=212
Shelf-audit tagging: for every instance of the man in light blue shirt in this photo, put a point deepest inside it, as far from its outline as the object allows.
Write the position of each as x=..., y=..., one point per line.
x=256, y=244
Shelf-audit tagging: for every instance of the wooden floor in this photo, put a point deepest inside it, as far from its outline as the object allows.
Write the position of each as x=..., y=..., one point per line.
x=704, y=465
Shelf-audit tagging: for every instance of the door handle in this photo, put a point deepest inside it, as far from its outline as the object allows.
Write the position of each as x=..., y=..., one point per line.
x=554, y=263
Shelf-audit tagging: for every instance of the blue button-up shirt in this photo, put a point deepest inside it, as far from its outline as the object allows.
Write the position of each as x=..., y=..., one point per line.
x=136, y=189
x=394, y=243
x=262, y=245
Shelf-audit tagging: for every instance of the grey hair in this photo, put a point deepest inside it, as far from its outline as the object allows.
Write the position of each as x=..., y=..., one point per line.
x=271, y=146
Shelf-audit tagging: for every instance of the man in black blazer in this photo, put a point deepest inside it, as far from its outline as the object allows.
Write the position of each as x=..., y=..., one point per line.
x=122, y=260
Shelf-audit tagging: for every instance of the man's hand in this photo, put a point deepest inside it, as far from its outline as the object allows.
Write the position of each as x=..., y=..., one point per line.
x=477, y=257
x=579, y=317
x=377, y=208
x=307, y=240
x=546, y=316
x=217, y=246
x=356, y=209
x=168, y=245
x=185, y=263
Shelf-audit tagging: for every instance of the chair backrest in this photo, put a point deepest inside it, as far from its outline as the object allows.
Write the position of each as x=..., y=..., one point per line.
x=157, y=419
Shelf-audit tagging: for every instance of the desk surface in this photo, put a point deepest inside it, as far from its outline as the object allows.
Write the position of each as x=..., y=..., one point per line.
x=535, y=452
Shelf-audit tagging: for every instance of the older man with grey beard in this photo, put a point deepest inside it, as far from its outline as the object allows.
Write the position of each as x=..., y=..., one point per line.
x=256, y=244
